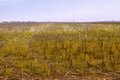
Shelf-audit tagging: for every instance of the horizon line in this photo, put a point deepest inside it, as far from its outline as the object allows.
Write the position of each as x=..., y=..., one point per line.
x=60, y=21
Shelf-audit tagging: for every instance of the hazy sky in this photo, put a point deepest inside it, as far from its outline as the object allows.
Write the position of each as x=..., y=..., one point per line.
x=59, y=10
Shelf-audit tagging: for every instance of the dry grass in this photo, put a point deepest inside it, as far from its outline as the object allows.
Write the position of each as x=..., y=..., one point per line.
x=59, y=50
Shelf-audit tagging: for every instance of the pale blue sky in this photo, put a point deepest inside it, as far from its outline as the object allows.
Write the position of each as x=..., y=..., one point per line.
x=59, y=10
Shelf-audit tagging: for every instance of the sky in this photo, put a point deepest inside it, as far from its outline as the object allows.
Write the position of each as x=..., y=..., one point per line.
x=59, y=10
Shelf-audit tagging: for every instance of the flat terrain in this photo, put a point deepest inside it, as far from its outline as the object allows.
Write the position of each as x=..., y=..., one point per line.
x=60, y=51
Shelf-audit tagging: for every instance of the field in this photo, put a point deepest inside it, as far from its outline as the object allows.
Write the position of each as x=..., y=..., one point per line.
x=59, y=50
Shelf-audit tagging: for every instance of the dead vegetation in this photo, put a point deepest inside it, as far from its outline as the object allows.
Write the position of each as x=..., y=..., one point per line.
x=62, y=51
